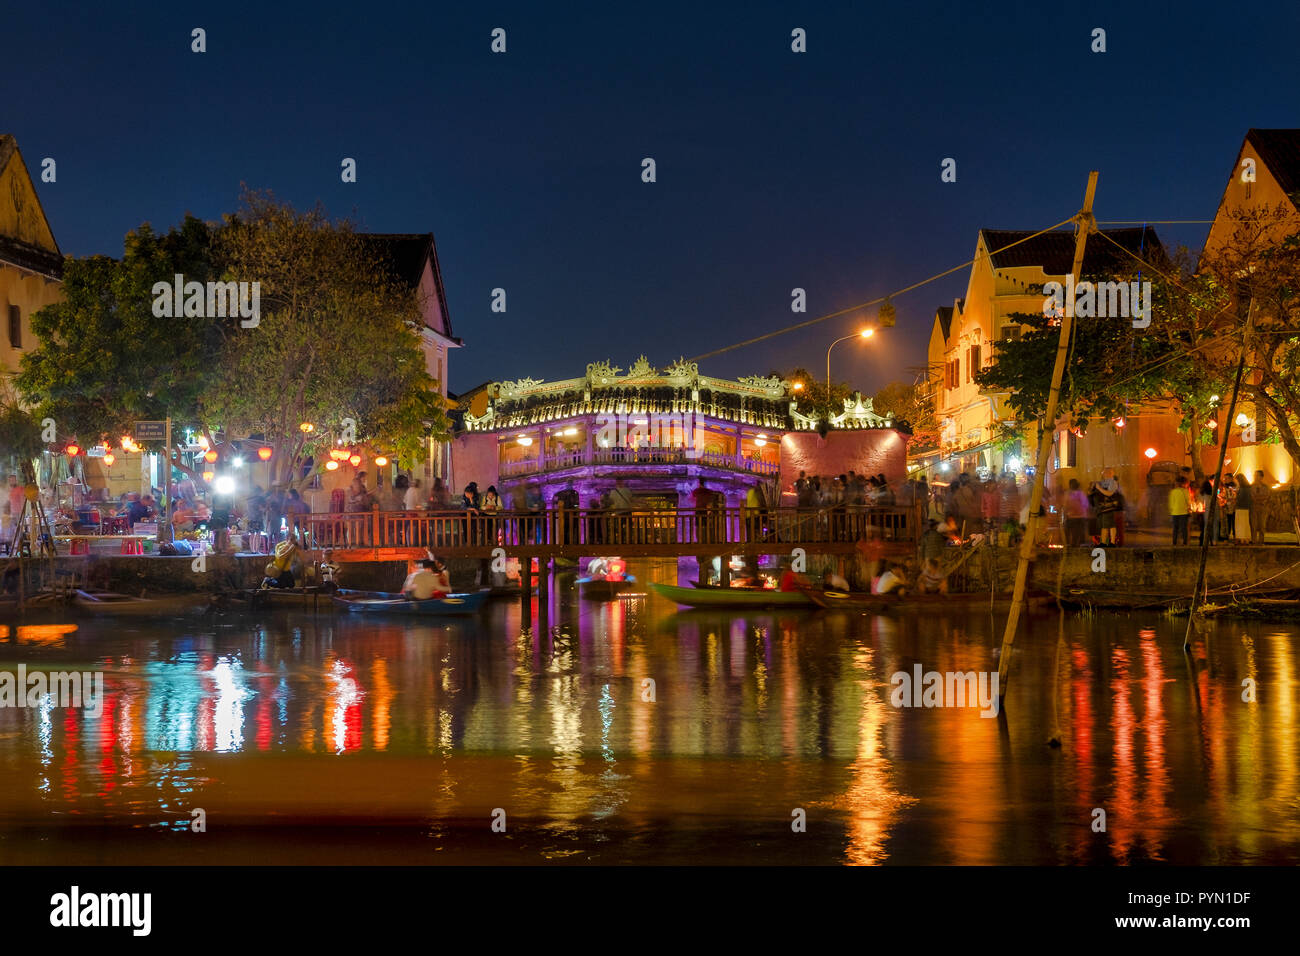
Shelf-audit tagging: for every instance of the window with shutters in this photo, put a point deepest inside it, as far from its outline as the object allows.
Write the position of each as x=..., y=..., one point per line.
x=15, y=327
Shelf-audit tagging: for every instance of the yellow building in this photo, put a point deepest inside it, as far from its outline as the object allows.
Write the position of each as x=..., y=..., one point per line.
x=1265, y=177
x=1007, y=279
x=31, y=265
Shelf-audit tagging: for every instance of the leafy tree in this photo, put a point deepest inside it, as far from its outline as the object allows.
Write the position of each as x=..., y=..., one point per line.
x=336, y=340
x=811, y=398
x=104, y=360
x=1256, y=270
x=1112, y=366
x=909, y=405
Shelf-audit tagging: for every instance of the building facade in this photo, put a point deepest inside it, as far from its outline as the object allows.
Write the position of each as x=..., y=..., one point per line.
x=1007, y=280
x=31, y=265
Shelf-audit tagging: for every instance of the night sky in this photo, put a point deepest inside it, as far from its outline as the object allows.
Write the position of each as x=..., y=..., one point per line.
x=775, y=169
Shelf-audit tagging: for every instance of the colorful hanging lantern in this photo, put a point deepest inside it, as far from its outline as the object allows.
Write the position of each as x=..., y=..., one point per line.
x=331, y=466
x=355, y=460
x=109, y=458
x=210, y=456
x=73, y=450
x=265, y=453
x=209, y=475
x=381, y=461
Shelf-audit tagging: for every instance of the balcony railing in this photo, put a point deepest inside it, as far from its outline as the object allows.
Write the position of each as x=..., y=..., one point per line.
x=638, y=456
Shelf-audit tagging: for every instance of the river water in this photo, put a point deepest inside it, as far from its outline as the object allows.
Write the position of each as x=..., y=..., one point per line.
x=765, y=737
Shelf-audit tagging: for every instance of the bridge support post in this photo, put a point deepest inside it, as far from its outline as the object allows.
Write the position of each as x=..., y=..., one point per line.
x=526, y=592
x=543, y=593
x=702, y=569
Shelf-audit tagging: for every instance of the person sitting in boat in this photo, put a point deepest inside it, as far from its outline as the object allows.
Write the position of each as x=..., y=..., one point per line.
x=329, y=573
x=421, y=583
x=932, y=579
x=428, y=581
x=892, y=581
x=597, y=569
x=279, y=573
x=792, y=581
x=748, y=576
x=833, y=582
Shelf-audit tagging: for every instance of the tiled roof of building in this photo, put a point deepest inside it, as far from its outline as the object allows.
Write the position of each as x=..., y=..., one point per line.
x=1280, y=151
x=15, y=251
x=944, y=315
x=406, y=254
x=1053, y=251
x=7, y=146
x=32, y=258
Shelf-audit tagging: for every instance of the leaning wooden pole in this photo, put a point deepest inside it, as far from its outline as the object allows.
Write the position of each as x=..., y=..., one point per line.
x=1212, y=510
x=1084, y=224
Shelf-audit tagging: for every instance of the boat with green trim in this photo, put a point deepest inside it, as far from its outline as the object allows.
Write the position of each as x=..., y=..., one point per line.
x=731, y=597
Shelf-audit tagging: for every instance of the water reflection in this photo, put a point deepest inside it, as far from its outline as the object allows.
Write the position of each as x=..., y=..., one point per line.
x=629, y=731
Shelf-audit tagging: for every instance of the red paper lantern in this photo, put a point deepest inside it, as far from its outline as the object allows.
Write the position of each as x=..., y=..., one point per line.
x=264, y=453
x=355, y=460
x=73, y=450
x=209, y=456
x=109, y=458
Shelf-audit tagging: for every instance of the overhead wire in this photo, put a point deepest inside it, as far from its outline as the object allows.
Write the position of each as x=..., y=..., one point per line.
x=864, y=305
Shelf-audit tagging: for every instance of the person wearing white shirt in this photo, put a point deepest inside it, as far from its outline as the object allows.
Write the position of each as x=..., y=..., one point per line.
x=891, y=582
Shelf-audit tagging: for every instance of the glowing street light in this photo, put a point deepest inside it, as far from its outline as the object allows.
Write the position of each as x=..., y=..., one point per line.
x=1150, y=453
x=331, y=465
x=863, y=334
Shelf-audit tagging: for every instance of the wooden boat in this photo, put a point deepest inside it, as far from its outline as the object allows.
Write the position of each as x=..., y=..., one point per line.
x=110, y=602
x=452, y=604
x=283, y=597
x=968, y=601
x=600, y=589
x=732, y=597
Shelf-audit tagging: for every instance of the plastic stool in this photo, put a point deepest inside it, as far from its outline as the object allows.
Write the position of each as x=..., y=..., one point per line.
x=132, y=546
x=79, y=546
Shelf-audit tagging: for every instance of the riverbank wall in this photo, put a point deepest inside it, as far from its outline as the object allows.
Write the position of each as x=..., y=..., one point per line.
x=1122, y=577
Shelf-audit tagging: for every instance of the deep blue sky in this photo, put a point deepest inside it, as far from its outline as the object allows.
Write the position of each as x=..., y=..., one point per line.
x=775, y=169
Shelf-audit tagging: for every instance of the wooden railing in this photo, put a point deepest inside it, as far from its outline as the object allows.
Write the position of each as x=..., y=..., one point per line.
x=586, y=531
x=637, y=456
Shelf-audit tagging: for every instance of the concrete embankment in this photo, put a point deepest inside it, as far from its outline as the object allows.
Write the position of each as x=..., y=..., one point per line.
x=1132, y=577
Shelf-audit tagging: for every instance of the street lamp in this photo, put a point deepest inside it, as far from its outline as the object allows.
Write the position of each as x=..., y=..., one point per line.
x=864, y=334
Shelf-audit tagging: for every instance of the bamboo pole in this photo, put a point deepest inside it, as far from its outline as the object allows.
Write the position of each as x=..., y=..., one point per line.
x=1084, y=223
x=1212, y=510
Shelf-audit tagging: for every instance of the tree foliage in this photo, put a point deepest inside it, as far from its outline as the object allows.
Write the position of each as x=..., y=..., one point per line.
x=337, y=339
